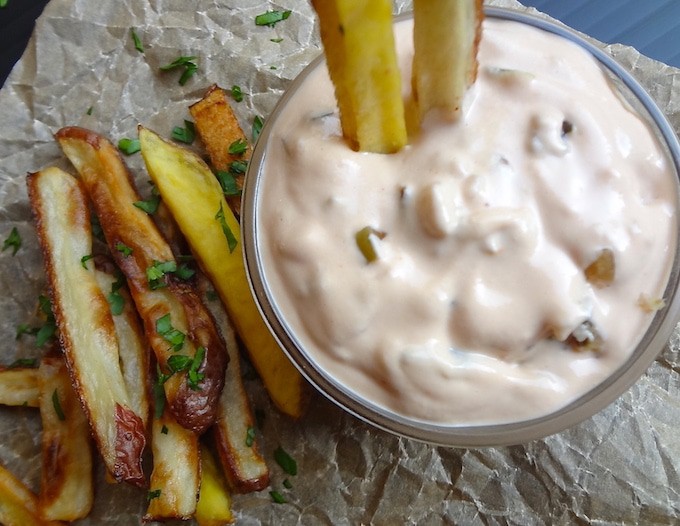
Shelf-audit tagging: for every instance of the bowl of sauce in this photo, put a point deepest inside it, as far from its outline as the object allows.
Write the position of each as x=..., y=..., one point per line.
x=505, y=275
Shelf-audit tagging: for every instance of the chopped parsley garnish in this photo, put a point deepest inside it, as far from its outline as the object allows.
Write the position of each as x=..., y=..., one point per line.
x=178, y=363
x=129, y=146
x=277, y=497
x=286, y=462
x=50, y=327
x=231, y=238
x=89, y=110
x=250, y=436
x=150, y=206
x=186, y=134
x=57, y=406
x=184, y=272
x=159, y=393
x=276, y=40
x=273, y=67
x=257, y=127
x=190, y=67
x=23, y=362
x=271, y=18
x=115, y=299
x=169, y=333
x=153, y=494
x=25, y=329
x=13, y=241
x=238, y=147
x=135, y=38
x=228, y=183
x=85, y=259
x=211, y=295
x=193, y=376
x=287, y=484
x=123, y=249
x=236, y=93
x=156, y=272
x=364, y=240
x=238, y=167
x=164, y=430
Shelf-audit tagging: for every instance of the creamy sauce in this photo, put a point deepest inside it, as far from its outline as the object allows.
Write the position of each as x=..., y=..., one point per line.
x=490, y=222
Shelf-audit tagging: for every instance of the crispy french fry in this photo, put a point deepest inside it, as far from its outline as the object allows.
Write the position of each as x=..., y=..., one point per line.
x=132, y=346
x=195, y=199
x=18, y=504
x=176, y=323
x=86, y=327
x=19, y=386
x=445, y=58
x=214, y=501
x=362, y=61
x=236, y=446
x=218, y=128
x=176, y=476
x=66, y=490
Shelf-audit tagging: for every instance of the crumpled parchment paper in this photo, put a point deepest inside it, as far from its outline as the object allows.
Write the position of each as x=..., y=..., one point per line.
x=620, y=466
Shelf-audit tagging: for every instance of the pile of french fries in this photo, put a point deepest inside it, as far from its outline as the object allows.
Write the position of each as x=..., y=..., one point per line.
x=99, y=388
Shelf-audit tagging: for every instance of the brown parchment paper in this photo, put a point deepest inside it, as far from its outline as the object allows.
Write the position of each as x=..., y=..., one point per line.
x=619, y=467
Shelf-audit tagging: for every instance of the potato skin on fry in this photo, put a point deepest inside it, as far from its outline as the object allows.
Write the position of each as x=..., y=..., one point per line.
x=112, y=192
x=86, y=328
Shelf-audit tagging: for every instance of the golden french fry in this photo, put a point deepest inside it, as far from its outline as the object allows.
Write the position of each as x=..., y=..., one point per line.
x=18, y=504
x=185, y=341
x=195, y=199
x=446, y=36
x=19, y=386
x=66, y=490
x=214, y=501
x=132, y=346
x=218, y=128
x=176, y=476
x=362, y=61
x=86, y=327
x=234, y=428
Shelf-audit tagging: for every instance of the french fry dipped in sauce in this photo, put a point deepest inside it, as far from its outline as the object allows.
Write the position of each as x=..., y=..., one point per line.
x=362, y=62
x=446, y=36
x=86, y=328
x=181, y=332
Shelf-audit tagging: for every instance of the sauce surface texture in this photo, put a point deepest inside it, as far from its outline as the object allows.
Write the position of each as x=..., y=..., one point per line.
x=470, y=312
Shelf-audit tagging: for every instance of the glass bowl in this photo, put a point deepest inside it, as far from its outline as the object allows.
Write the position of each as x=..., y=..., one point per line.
x=578, y=410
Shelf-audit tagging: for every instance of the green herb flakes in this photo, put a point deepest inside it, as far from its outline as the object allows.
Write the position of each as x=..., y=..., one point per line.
x=49, y=329
x=231, y=238
x=123, y=249
x=286, y=462
x=85, y=259
x=277, y=497
x=150, y=206
x=190, y=67
x=153, y=494
x=236, y=93
x=193, y=376
x=23, y=362
x=250, y=436
x=287, y=484
x=164, y=430
x=271, y=18
x=156, y=272
x=238, y=147
x=238, y=167
x=137, y=41
x=13, y=241
x=169, y=333
x=89, y=110
x=25, y=329
x=57, y=406
x=228, y=183
x=276, y=40
x=186, y=134
x=129, y=146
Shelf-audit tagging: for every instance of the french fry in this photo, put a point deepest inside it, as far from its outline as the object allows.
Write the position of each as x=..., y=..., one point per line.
x=236, y=446
x=218, y=128
x=362, y=62
x=18, y=504
x=176, y=476
x=177, y=325
x=19, y=386
x=132, y=346
x=195, y=199
x=445, y=54
x=86, y=327
x=66, y=489
x=214, y=501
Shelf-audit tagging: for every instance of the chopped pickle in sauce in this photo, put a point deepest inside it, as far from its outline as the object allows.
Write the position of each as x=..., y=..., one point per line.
x=366, y=239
